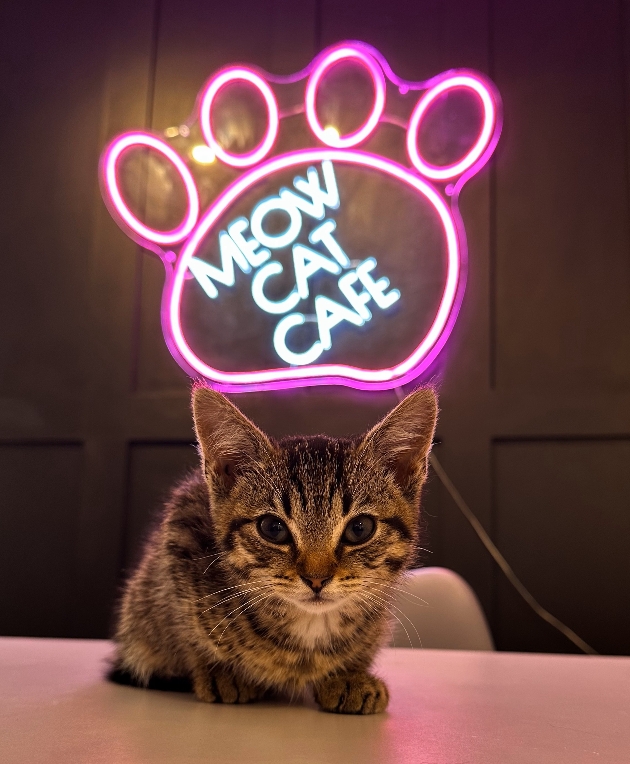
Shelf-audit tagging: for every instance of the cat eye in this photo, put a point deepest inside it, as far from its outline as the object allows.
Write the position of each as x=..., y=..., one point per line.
x=273, y=529
x=359, y=529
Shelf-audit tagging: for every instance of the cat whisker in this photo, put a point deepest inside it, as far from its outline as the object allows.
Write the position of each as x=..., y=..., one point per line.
x=209, y=566
x=402, y=598
x=401, y=590
x=400, y=622
x=236, y=594
x=372, y=618
x=398, y=619
x=264, y=477
x=368, y=613
x=205, y=556
x=230, y=622
x=406, y=617
x=372, y=607
x=225, y=589
x=243, y=609
x=251, y=602
x=235, y=617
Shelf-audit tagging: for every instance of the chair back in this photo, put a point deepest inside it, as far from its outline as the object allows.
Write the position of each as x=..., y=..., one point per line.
x=437, y=609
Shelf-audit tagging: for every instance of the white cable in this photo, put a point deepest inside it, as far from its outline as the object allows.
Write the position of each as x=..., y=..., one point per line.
x=503, y=563
x=500, y=559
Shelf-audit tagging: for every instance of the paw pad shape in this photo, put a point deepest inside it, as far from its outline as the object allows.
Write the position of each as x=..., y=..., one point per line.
x=324, y=245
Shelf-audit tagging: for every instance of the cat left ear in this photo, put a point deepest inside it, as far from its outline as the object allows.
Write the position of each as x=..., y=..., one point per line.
x=228, y=441
x=402, y=440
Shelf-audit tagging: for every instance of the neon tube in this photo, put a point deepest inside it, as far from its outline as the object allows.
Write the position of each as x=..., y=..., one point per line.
x=357, y=290
x=110, y=161
x=208, y=95
x=325, y=373
x=345, y=53
x=469, y=82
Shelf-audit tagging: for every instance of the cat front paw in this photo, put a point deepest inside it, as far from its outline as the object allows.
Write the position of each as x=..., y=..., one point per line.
x=352, y=694
x=214, y=686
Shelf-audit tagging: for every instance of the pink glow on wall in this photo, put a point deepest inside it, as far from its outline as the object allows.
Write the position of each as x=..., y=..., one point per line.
x=422, y=178
x=109, y=173
x=469, y=82
x=334, y=56
x=239, y=74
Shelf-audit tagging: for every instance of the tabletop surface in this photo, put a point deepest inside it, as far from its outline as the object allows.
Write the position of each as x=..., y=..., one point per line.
x=447, y=707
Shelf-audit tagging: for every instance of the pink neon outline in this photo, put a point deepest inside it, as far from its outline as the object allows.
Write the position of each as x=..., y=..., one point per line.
x=333, y=56
x=317, y=374
x=487, y=129
x=151, y=239
x=207, y=97
x=110, y=177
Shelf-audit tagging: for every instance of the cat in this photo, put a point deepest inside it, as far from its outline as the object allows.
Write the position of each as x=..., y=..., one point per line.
x=274, y=567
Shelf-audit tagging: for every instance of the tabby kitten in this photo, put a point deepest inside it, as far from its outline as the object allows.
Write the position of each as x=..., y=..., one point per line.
x=273, y=567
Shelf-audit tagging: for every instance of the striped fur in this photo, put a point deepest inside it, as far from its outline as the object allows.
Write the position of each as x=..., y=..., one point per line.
x=215, y=603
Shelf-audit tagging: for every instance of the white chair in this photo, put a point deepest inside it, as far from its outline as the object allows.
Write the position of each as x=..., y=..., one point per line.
x=437, y=609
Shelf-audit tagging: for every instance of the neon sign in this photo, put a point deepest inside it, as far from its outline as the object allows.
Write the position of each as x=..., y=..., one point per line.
x=277, y=239
x=247, y=254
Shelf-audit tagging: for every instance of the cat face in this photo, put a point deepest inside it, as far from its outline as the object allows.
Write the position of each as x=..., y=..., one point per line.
x=316, y=522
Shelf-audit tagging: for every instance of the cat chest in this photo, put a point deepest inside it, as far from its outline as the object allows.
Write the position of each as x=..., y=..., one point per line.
x=296, y=652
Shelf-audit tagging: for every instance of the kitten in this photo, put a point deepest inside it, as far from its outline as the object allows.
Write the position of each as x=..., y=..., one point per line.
x=273, y=567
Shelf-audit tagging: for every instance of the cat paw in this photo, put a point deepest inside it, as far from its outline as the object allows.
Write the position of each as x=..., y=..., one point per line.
x=352, y=694
x=222, y=687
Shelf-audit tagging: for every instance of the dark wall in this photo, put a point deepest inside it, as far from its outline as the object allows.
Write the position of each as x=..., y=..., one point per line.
x=535, y=425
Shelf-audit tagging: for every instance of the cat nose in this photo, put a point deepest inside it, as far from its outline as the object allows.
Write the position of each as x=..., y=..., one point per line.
x=315, y=583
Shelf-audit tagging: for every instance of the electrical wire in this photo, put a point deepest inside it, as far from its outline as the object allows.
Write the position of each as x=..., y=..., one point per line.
x=503, y=563
x=500, y=559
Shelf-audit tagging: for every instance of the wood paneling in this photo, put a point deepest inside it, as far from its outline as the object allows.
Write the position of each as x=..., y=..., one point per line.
x=534, y=379
x=40, y=485
x=562, y=518
x=563, y=271
x=154, y=468
x=49, y=135
x=421, y=40
x=195, y=40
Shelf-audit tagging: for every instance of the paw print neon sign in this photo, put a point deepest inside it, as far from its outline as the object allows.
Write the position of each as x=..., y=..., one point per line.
x=283, y=218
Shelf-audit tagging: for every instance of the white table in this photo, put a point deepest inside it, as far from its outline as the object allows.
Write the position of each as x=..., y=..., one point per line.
x=447, y=707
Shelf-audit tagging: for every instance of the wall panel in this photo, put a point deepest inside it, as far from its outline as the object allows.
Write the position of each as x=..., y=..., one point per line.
x=420, y=40
x=541, y=349
x=40, y=486
x=563, y=272
x=562, y=519
x=49, y=134
x=153, y=469
x=194, y=40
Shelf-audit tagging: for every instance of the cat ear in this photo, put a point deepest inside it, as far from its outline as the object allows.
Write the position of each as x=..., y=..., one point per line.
x=402, y=440
x=228, y=441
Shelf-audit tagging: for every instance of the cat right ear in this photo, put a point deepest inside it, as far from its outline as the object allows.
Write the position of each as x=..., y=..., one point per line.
x=228, y=441
x=402, y=440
